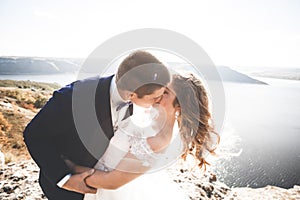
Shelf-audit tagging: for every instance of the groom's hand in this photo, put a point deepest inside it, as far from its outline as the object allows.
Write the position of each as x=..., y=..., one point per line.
x=76, y=183
x=76, y=169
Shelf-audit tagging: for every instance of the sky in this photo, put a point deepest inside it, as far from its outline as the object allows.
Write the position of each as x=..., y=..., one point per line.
x=235, y=33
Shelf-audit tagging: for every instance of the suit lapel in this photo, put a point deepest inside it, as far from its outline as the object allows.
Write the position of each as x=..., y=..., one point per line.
x=103, y=108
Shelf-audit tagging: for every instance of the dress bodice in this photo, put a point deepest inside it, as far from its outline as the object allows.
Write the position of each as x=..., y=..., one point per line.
x=130, y=138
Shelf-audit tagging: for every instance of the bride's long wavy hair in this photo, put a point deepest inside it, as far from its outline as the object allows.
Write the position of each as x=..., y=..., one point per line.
x=195, y=120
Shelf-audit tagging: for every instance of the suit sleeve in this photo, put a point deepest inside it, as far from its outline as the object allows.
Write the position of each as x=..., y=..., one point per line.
x=43, y=134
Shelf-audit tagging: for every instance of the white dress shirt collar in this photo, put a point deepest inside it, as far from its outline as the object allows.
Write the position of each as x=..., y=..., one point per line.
x=115, y=97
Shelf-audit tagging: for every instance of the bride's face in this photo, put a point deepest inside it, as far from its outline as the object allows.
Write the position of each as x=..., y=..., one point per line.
x=168, y=99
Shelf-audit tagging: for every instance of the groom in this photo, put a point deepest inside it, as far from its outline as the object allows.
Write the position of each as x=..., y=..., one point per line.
x=52, y=137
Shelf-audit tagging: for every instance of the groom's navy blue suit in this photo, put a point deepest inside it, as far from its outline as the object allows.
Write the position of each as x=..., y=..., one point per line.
x=52, y=135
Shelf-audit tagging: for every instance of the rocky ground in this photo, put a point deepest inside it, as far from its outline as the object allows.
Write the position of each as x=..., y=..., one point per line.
x=20, y=181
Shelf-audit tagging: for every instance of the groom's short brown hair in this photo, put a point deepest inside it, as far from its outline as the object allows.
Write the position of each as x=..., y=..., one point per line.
x=142, y=73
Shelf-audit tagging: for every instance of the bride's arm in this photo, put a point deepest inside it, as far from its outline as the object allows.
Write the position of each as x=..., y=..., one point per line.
x=130, y=167
x=116, y=178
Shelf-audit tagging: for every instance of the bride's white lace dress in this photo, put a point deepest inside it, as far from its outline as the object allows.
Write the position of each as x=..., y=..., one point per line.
x=153, y=185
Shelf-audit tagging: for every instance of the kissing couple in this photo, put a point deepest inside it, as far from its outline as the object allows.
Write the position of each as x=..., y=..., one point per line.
x=146, y=118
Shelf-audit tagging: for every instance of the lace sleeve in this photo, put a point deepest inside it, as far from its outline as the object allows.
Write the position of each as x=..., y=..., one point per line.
x=140, y=148
x=137, y=139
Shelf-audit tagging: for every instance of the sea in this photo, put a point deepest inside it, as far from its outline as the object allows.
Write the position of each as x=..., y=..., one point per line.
x=260, y=138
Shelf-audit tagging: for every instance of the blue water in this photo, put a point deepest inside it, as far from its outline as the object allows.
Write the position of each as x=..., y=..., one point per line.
x=265, y=134
x=263, y=144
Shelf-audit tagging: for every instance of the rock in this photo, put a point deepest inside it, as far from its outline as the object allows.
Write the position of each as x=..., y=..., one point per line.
x=19, y=181
x=198, y=184
x=268, y=192
x=212, y=178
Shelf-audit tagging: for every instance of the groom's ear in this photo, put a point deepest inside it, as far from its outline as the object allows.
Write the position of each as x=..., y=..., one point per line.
x=131, y=95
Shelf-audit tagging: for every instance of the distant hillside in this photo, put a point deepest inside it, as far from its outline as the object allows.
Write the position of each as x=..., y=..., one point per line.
x=44, y=66
x=31, y=65
x=280, y=73
x=228, y=74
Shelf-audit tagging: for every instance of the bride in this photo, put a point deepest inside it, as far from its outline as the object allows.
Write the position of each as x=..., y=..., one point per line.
x=131, y=166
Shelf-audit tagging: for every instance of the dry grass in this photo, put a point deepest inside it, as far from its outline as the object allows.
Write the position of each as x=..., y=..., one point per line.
x=25, y=98
x=4, y=125
x=12, y=139
x=17, y=107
